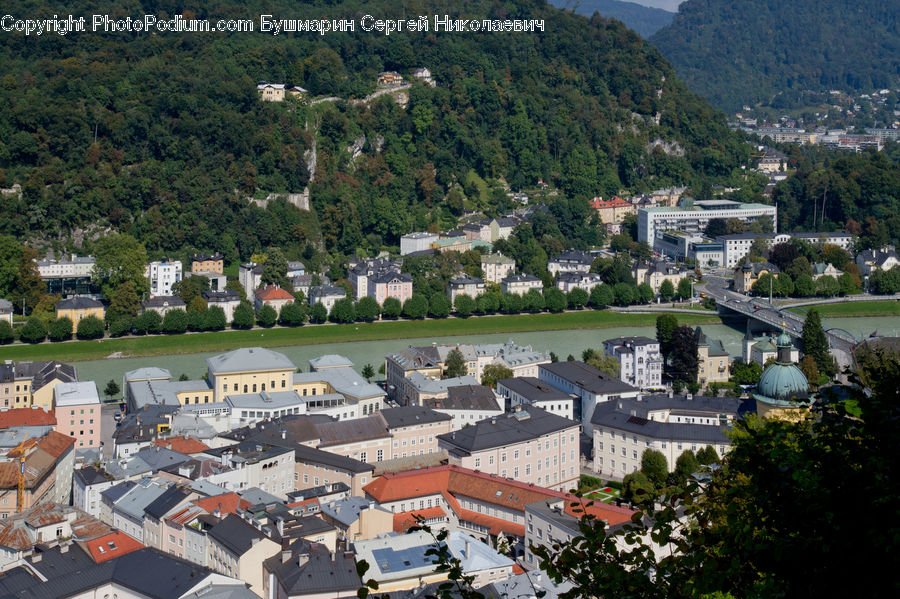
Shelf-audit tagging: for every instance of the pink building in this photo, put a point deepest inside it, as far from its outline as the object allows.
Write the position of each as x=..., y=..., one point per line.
x=77, y=410
x=390, y=284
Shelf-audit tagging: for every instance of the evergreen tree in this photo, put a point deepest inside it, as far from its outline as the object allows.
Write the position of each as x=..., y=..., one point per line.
x=685, y=466
x=665, y=328
x=815, y=343
x=684, y=358
x=707, y=456
x=455, y=365
x=368, y=372
x=60, y=329
x=111, y=389
x=243, y=316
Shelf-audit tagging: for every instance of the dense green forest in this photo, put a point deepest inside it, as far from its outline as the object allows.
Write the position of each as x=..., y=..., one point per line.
x=645, y=20
x=737, y=53
x=162, y=135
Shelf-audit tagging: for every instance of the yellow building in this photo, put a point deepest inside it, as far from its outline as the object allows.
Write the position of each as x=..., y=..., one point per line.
x=249, y=370
x=713, y=366
x=31, y=384
x=747, y=274
x=212, y=263
x=78, y=308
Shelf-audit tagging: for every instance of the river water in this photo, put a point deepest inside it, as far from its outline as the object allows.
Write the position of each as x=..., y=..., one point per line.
x=562, y=343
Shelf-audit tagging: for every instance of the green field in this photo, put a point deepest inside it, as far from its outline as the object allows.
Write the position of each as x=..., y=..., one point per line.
x=310, y=335
x=878, y=308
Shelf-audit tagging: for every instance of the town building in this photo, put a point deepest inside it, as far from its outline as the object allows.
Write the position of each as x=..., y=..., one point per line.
x=77, y=411
x=417, y=242
x=496, y=267
x=567, y=281
x=6, y=311
x=272, y=296
x=521, y=284
x=466, y=405
x=162, y=304
x=655, y=273
x=640, y=363
x=30, y=384
x=390, y=284
x=389, y=79
x=87, y=485
x=570, y=261
x=588, y=384
x=358, y=518
x=266, y=467
x=250, y=277
x=208, y=263
x=529, y=445
x=78, y=308
x=869, y=261
x=68, y=276
x=360, y=273
x=747, y=274
x=531, y=391
x=612, y=212
x=162, y=275
x=270, y=92
x=624, y=428
x=237, y=549
x=49, y=463
x=713, y=361
x=694, y=216
x=327, y=295
x=464, y=285
x=310, y=571
x=226, y=299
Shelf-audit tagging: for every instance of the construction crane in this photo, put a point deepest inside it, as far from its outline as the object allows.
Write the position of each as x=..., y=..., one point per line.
x=20, y=495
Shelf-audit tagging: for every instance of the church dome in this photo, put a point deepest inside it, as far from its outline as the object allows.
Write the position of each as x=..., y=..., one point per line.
x=782, y=384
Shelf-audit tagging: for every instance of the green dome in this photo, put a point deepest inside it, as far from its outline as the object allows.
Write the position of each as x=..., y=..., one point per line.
x=782, y=384
x=784, y=340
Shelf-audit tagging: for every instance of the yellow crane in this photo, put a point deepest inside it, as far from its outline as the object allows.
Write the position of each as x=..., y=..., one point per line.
x=20, y=495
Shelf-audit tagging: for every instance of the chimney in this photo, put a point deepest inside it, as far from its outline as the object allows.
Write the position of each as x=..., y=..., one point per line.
x=468, y=548
x=689, y=396
x=302, y=559
x=285, y=556
x=279, y=524
x=640, y=396
x=283, y=433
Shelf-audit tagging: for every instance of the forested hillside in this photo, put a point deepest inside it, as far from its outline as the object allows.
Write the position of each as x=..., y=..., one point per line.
x=645, y=20
x=737, y=53
x=163, y=136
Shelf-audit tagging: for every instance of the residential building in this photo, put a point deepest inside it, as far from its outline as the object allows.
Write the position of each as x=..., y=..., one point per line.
x=78, y=308
x=128, y=509
x=416, y=242
x=527, y=584
x=295, y=268
x=156, y=513
x=820, y=269
x=570, y=261
x=655, y=273
x=640, y=363
x=358, y=518
x=360, y=273
x=208, y=263
x=273, y=296
x=399, y=562
x=267, y=467
x=416, y=389
x=496, y=267
x=236, y=549
x=250, y=277
x=713, y=360
x=531, y=391
x=389, y=79
x=529, y=445
x=77, y=410
x=270, y=92
x=588, y=384
x=502, y=227
x=694, y=216
x=297, y=92
x=521, y=284
x=423, y=73
x=397, y=285
x=326, y=295
x=30, y=384
x=737, y=245
x=626, y=427
x=567, y=281
x=839, y=238
x=72, y=268
x=226, y=299
x=304, y=283
x=746, y=275
x=414, y=430
x=310, y=571
x=466, y=405
x=869, y=261
x=454, y=243
x=480, y=231
x=26, y=417
x=49, y=463
x=163, y=303
x=87, y=485
x=6, y=311
x=162, y=275
x=464, y=284
x=614, y=211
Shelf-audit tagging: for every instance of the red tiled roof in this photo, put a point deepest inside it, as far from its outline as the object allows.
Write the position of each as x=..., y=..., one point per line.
x=616, y=202
x=26, y=417
x=496, y=525
x=273, y=292
x=517, y=569
x=226, y=504
x=307, y=505
x=41, y=454
x=111, y=546
x=404, y=520
x=56, y=444
x=182, y=445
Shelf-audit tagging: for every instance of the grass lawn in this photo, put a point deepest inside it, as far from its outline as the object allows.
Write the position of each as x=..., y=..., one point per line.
x=310, y=335
x=603, y=495
x=882, y=308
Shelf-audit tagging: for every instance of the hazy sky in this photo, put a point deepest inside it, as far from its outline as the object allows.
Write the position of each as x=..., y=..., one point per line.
x=666, y=4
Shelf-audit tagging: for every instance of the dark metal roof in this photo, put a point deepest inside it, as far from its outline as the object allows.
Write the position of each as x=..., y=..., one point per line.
x=320, y=571
x=235, y=534
x=533, y=389
x=515, y=427
x=165, y=502
x=411, y=415
x=465, y=397
x=587, y=377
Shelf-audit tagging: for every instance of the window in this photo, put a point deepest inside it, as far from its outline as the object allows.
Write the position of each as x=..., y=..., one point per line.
x=527, y=469
x=477, y=464
x=305, y=478
x=363, y=456
x=612, y=448
x=516, y=454
x=490, y=460
x=379, y=455
x=503, y=457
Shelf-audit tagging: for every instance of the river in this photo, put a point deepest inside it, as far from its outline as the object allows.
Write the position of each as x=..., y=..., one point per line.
x=562, y=343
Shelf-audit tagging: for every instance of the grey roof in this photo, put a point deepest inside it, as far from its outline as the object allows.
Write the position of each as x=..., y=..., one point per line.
x=323, y=291
x=12, y=436
x=257, y=496
x=587, y=377
x=160, y=457
x=716, y=349
x=115, y=492
x=631, y=415
x=142, y=495
x=5, y=305
x=525, y=585
x=320, y=573
x=329, y=361
x=248, y=359
x=235, y=534
x=574, y=257
x=78, y=303
x=549, y=509
x=346, y=511
x=516, y=427
x=425, y=384
x=146, y=373
x=226, y=295
x=466, y=397
x=265, y=399
x=632, y=341
x=40, y=372
x=388, y=277
x=250, y=451
x=165, y=502
x=343, y=380
x=533, y=389
x=465, y=280
x=411, y=415
x=521, y=278
x=163, y=301
x=311, y=455
x=91, y=475
x=351, y=431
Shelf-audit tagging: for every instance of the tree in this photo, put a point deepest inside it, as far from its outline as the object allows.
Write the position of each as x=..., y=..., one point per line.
x=117, y=259
x=665, y=328
x=666, y=290
x=20, y=281
x=686, y=465
x=234, y=285
x=415, y=307
x=637, y=489
x=439, y=305
x=604, y=363
x=827, y=286
x=60, y=329
x=319, y=314
x=367, y=309
x=243, y=316
x=809, y=369
x=368, y=372
x=34, y=331
x=602, y=296
x=148, y=322
x=716, y=227
x=848, y=284
x=6, y=333
x=685, y=289
x=644, y=293
x=214, y=319
x=685, y=361
x=267, y=316
x=343, y=311
x=578, y=297
x=455, y=365
x=487, y=303
x=745, y=374
x=707, y=456
x=121, y=327
x=191, y=287
x=815, y=343
x=554, y=300
x=464, y=305
x=655, y=467
x=391, y=308
x=533, y=301
x=804, y=286
x=783, y=255
x=174, y=322
x=111, y=389
x=275, y=269
x=91, y=327
x=511, y=303
x=492, y=373
x=124, y=303
x=292, y=315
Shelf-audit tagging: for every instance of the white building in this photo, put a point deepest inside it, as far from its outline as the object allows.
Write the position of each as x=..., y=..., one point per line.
x=250, y=276
x=416, y=242
x=163, y=275
x=76, y=266
x=590, y=385
x=531, y=391
x=640, y=363
x=326, y=295
x=694, y=216
x=567, y=281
